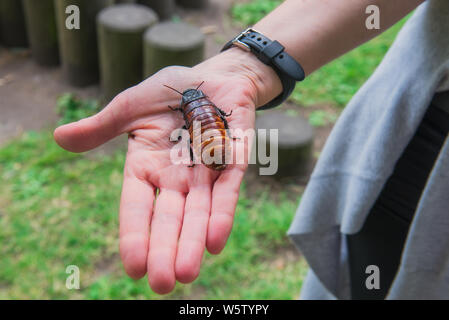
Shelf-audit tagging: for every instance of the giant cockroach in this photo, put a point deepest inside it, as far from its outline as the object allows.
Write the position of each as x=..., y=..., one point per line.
x=196, y=106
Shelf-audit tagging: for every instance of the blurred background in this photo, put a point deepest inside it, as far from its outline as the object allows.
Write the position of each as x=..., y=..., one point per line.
x=59, y=209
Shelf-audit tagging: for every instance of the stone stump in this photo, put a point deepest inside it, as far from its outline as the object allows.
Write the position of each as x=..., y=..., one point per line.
x=295, y=142
x=163, y=8
x=12, y=24
x=78, y=47
x=194, y=4
x=120, y=34
x=172, y=43
x=42, y=33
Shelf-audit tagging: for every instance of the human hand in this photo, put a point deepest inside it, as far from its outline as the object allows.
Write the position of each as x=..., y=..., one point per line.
x=194, y=207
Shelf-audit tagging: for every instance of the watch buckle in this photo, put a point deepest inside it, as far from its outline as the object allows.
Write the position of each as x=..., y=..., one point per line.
x=236, y=41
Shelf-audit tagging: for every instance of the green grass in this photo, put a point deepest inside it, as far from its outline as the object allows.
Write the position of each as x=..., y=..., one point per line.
x=338, y=81
x=320, y=118
x=60, y=209
x=249, y=13
x=71, y=109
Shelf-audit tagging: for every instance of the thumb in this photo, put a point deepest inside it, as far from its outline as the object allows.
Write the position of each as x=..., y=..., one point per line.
x=92, y=132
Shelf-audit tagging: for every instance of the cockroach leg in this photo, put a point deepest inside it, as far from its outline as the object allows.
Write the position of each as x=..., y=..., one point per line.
x=230, y=136
x=223, y=113
x=191, y=158
x=228, y=114
x=175, y=109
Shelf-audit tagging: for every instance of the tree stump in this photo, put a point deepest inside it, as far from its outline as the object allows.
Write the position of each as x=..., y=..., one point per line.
x=172, y=43
x=120, y=33
x=12, y=24
x=41, y=27
x=163, y=8
x=295, y=143
x=194, y=4
x=78, y=47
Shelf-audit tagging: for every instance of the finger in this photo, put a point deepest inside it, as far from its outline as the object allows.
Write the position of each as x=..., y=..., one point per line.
x=192, y=241
x=91, y=132
x=135, y=212
x=225, y=195
x=165, y=228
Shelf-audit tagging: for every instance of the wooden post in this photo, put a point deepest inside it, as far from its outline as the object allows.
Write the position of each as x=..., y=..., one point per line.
x=295, y=142
x=41, y=28
x=12, y=24
x=163, y=8
x=172, y=43
x=194, y=4
x=78, y=47
x=120, y=33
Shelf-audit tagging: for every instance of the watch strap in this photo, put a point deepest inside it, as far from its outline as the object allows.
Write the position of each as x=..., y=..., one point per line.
x=271, y=53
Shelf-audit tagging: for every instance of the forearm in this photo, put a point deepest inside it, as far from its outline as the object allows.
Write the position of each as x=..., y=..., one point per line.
x=316, y=32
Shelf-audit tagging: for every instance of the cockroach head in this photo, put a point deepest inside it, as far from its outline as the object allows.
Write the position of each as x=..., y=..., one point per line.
x=192, y=94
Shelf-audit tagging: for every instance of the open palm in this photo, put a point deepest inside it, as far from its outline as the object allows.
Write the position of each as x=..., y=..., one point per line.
x=169, y=213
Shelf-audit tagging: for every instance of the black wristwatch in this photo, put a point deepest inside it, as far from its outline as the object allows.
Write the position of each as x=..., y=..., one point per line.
x=271, y=53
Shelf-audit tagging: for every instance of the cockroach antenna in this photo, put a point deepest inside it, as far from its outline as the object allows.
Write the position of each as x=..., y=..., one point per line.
x=199, y=85
x=173, y=89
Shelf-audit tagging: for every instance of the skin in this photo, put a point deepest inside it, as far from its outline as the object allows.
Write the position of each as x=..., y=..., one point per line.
x=165, y=236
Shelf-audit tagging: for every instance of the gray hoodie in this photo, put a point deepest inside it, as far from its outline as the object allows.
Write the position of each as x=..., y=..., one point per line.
x=360, y=155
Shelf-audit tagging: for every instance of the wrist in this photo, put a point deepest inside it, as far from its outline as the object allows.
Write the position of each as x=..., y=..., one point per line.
x=263, y=80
